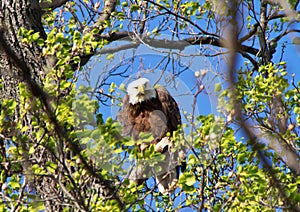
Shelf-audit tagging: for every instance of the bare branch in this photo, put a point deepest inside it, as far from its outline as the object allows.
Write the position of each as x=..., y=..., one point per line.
x=181, y=17
x=250, y=34
x=44, y=4
x=163, y=43
x=117, y=49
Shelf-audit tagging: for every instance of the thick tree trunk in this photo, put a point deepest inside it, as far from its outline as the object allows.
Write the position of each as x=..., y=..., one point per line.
x=24, y=63
x=16, y=59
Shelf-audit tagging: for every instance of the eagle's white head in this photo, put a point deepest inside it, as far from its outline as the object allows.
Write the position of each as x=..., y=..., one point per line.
x=140, y=90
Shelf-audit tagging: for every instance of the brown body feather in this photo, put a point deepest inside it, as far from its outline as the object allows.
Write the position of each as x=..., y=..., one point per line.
x=157, y=115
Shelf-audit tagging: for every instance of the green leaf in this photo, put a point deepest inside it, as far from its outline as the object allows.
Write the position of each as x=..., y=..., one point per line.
x=134, y=7
x=112, y=87
x=146, y=137
x=21, y=31
x=51, y=166
x=218, y=87
x=192, y=159
x=15, y=185
x=31, y=150
x=122, y=87
x=241, y=158
x=297, y=110
x=36, y=36
x=110, y=56
x=76, y=35
x=76, y=59
x=59, y=37
x=131, y=142
x=40, y=42
x=296, y=41
x=190, y=179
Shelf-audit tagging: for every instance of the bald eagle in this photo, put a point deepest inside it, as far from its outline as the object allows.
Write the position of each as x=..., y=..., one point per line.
x=150, y=110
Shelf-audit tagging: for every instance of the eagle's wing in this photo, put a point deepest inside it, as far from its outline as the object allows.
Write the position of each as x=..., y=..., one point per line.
x=170, y=108
x=159, y=125
x=166, y=182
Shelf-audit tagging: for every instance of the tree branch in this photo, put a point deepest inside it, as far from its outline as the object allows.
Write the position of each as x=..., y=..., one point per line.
x=109, y=7
x=181, y=17
x=163, y=43
x=250, y=34
x=44, y=4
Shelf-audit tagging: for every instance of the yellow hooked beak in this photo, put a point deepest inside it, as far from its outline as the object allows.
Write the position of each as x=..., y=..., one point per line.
x=141, y=89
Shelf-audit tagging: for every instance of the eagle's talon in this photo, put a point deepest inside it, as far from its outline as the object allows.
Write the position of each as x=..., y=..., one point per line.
x=163, y=145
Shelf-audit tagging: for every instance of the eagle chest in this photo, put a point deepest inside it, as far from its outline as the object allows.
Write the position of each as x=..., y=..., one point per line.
x=140, y=113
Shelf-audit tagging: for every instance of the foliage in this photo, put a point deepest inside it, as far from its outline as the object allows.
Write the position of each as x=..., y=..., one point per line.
x=57, y=151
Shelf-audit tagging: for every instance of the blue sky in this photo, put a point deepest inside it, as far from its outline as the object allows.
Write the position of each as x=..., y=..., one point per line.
x=146, y=60
x=153, y=65
x=182, y=87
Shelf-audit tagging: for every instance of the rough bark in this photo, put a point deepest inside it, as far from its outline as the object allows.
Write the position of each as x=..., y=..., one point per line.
x=14, y=15
x=24, y=63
